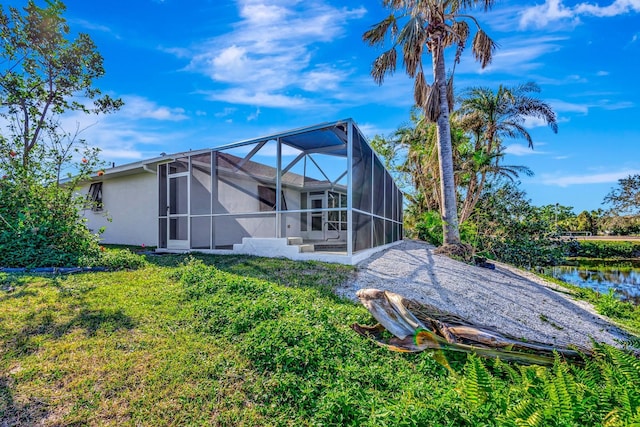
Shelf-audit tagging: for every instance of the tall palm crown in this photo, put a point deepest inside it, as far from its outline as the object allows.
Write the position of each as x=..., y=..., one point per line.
x=429, y=27
x=491, y=116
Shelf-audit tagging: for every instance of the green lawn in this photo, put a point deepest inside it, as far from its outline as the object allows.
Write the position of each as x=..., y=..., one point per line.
x=252, y=341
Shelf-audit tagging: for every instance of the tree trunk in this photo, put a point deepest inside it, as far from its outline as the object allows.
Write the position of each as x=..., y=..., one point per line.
x=448, y=205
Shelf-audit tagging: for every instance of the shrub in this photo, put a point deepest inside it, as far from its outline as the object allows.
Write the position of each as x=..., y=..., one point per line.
x=605, y=249
x=41, y=225
x=429, y=229
x=115, y=259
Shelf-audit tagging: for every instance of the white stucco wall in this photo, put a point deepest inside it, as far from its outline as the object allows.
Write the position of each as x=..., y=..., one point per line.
x=132, y=204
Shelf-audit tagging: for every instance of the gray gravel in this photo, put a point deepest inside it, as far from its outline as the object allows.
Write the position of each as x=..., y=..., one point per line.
x=506, y=299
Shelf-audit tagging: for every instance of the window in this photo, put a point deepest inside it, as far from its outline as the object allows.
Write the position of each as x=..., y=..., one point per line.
x=337, y=219
x=94, y=197
x=267, y=199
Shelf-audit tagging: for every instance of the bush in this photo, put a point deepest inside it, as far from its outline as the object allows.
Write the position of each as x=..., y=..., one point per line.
x=429, y=229
x=526, y=251
x=606, y=249
x=40, y=225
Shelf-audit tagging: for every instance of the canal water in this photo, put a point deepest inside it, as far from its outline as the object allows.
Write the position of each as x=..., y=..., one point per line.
x=624, y=280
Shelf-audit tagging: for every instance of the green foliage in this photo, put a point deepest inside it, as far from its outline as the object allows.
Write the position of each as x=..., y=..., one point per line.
x=605, y=249
x=622, y=312
x=40, y=226
x=115, y=259
x=511, y=230
x=609, y=305
x=43, y=74
x=625, y=198
x=429, y=228
x=476, y=385
x=251, y=341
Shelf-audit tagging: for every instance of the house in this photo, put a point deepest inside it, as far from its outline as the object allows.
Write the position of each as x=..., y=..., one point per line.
x=318, y=192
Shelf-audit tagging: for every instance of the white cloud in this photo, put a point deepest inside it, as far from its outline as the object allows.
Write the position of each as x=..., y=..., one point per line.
x=254, y=115
x=323, y=78
x=534, y=122
x=602, y=73
x=597, y=178
x=264, y=99
x=268, y=55
x=521, y=150
x=618, y=7
x=93, y=26
x=129, y=134
x=568, y=107
x=609, y=104
x=554, y=11
x=226, y=112
x=369, y=130
x=516, y=55
x=121, y=153
x=597, y=100
x=142, y=108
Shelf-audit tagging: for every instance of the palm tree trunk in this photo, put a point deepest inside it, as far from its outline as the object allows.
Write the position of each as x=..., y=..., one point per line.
x=448, y=206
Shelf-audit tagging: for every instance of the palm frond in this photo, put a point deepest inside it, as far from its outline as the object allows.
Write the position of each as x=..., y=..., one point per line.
x=431, y=106
x=533, y=107
x=457, y=33
x=450, y=95
x=421, y=89
x=413, y=38
x=459, y=5
x=483, y=47
x=513, y=128
x=376, y=35
x=384, y=64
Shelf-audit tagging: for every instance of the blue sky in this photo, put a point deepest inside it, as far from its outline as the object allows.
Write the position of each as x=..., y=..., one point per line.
x=202, y=73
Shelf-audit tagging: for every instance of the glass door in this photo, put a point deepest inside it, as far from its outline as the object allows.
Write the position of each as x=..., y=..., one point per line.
x=178, y=211
x=317, y=217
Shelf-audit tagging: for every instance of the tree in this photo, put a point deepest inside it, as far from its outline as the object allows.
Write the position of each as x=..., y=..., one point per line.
x=625, y=198
x=511, y=230
x=431, y=26
x=411, y=154
x=490, y=117
x=44, y=75
x=589, y=221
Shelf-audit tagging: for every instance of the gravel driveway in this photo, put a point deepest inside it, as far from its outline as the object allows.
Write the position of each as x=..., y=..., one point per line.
x=505, y=299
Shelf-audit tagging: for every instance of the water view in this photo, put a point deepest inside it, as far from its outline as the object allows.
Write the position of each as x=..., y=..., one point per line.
x=623, y=279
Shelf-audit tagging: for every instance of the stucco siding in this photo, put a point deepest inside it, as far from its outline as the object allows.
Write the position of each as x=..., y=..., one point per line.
x=131, y=202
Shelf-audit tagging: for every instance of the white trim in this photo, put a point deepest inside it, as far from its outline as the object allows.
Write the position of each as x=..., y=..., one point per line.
x=335, y=258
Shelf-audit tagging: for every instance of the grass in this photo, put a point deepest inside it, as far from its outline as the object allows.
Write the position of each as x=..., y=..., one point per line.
x=624, y=313
x=250, y=341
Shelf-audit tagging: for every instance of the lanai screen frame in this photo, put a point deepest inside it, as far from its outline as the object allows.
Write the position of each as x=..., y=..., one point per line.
x=373, y=219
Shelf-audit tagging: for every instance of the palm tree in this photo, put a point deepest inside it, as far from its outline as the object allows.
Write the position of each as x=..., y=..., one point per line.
x=490, y=117
x=430, y=26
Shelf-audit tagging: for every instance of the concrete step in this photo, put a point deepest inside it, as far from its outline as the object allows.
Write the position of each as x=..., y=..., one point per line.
x=306, y=248
x=294, y=240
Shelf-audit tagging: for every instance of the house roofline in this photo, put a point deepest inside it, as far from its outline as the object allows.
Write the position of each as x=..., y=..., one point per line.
x=149, y=165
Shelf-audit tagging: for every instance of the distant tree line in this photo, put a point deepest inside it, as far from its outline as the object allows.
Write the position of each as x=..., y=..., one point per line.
x=497, y=218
